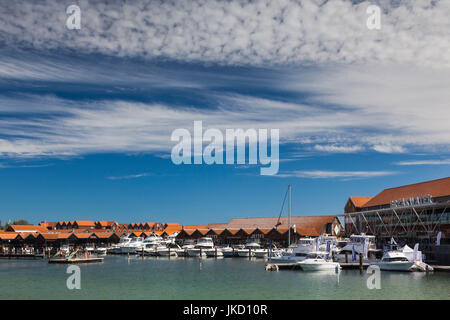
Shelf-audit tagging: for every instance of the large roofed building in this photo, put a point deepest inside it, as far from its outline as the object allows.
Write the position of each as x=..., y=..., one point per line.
x=416, y=212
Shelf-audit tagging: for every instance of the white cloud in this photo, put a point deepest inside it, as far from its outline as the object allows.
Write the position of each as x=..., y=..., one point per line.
x=325, y=174
x=131, y=176
x=423, y=162
x=236, y=32
x=338, y=148
x=344, y=114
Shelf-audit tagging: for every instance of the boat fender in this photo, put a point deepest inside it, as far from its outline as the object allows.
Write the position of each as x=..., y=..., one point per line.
x=272, y=267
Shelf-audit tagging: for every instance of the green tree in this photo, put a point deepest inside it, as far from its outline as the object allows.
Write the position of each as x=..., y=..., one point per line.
x=21, y=222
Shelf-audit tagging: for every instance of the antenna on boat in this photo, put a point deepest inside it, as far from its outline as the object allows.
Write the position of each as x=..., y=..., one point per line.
x=289, y=217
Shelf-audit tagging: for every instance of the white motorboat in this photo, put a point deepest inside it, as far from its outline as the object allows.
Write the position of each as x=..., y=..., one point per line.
x=394, y=261
x=133, y=247
x=187, y=244
x=317, y=261
x=213, y=252
x=168, y=251
x=250, y=246
x=149, y=249
x=227, y=251
x=299, y=253
x=117, y=248
x=356, y=243
x=261, y=253
x=100, y=250
x=201, y=245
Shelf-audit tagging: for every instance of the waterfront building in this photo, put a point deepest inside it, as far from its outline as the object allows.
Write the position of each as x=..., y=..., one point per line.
x=266, y=229
x=411, y=213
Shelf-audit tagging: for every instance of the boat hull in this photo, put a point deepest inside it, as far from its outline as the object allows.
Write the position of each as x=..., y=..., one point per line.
x=167, y=253
x=395, y=266
x=211, y=253
x=319, y=266
x=195, y=253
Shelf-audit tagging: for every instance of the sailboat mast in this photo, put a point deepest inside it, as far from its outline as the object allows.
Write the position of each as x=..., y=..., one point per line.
x=289, y=218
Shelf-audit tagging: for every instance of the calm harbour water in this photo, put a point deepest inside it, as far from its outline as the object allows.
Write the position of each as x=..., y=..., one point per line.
x=120, y=277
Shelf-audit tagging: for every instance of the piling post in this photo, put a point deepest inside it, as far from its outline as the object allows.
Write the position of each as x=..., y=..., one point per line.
x=249, y=253
x=346, y=257
x=233, y=252
x=360, y=261
x=216, y=251
x=169, y=251
x=201, y=252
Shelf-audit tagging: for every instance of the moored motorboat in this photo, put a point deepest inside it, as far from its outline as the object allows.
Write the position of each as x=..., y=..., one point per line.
x=133, y=247
x=250, y=246
x=317, y=261
x=100, y=250
x=202, y=244
x=299, y=253
x=214, y=252
x=394, y=261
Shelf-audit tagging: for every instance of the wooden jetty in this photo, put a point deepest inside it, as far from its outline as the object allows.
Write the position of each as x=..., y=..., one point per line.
x=75, y=260
x=353, y=265
x=441, y=268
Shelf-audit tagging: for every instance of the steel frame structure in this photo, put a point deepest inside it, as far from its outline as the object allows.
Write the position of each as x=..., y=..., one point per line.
x=417, y=221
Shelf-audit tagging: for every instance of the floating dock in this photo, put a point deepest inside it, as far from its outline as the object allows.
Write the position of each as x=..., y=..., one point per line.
x=295, y=266
x=76, y=260
x=441, y=268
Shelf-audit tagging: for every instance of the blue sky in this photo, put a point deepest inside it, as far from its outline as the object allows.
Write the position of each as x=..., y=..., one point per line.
x=86, y=115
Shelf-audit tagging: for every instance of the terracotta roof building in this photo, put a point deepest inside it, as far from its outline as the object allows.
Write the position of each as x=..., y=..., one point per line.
x=26, y=228
x=355, y=204
x=438, y=190
x=414, y=212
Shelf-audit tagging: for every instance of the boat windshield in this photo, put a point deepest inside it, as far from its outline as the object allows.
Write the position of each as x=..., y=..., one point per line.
x=306, y=242
x=395, y=259
x=204, y=240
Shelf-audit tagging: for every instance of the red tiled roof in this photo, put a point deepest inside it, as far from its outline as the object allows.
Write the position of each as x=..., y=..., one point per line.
x=172, y=229
x=27, y=228
x=172, y=224
x=233, y=231
x=216, y=230
x=84, y=235
x=103, y=235
x=8, y=235
x=25, y=235
x=360, y=201
x=315, y=222
x=84, y=223
x=106, y=223
x=435, y=188
x=195, y=226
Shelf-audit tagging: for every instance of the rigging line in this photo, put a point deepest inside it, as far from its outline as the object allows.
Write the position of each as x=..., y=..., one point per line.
x=282, y=207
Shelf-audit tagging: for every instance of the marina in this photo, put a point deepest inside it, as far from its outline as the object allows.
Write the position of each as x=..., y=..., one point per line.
x=244, y=253
x=134, y=277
